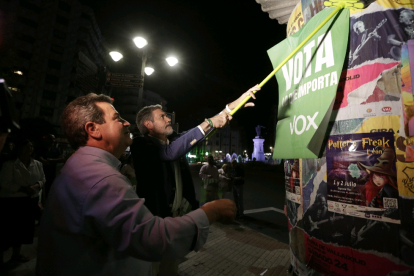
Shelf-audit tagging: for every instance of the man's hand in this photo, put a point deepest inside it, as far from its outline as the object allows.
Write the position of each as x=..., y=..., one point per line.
x=224, y=117
x=35, y=187
x=27, y=190
x=221, y=120
x=221, y=210
x=250, y=93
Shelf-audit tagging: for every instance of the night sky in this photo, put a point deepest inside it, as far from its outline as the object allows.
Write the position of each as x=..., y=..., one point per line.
x=221, y=47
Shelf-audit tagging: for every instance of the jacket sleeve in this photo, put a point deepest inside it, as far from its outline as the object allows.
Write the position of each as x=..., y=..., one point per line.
x=126, y=224
x=181, y=145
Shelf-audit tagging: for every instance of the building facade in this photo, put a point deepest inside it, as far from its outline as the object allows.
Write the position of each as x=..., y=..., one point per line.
x=52, y=52
x=224, y=141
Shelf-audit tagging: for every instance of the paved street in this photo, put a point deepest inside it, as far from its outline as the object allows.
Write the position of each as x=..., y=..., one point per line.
x=237, y=250
x=264, y=195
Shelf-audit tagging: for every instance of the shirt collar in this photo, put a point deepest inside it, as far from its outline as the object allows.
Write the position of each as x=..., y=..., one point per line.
x=98, y=152
x=20, y=163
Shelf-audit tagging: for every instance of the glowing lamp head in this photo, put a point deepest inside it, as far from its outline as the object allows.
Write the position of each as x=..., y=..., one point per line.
x=140, y=42
x=171, y=61
x=149, y=70
x=116, y=55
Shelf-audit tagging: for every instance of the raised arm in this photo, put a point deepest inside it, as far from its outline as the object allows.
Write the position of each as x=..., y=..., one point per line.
x=183, y=144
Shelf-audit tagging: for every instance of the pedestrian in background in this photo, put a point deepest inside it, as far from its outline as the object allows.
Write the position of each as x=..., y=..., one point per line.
x=50, y=156
x=225, y=181
x=210, y=176
x=237, y=176
x=22, y=178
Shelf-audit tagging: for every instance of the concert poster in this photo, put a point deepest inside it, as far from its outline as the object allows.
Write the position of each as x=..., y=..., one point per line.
x=329, y=259
x=361, y=176
x=292, y=180
x=296, y=20
x=376, y=36
x=410, y=49
x=311, y=8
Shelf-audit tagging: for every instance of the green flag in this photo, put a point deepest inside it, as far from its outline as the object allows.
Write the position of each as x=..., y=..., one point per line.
x=308, y=83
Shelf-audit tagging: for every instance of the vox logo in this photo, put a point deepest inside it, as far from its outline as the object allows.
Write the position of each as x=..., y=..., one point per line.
x=301, y=123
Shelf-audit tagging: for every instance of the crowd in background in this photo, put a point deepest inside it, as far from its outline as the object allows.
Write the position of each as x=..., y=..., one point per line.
x=27, y=170
x=226, y=182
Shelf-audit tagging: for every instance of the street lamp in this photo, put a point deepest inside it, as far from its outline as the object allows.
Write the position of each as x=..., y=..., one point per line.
x=149, y=70
x=141, y=42
x=116, y=56
x=171, y=61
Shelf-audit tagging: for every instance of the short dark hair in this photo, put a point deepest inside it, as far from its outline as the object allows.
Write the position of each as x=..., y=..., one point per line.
x=80, y=111
x=145, y=114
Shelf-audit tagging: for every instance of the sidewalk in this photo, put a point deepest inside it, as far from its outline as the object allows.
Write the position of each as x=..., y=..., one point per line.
x=231, y=249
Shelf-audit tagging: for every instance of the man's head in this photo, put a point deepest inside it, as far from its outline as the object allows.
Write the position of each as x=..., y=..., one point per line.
x=407, y=17
x=234, y=163
x=210, y=160
x=49, y=140
x=320, y=201
x=359, y=27
x=153, y=121
x=92, y=120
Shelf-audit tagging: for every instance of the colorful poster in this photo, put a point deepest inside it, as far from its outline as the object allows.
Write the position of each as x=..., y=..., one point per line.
x=311, y=8
x=406, y=81
x=405, y=172
x=366, y=84
x=362, y=179
x=410, y=50
x=358, y=206
x=377, y=36
x=296, y=20
x=308, y=83
x=313, y=177
x=394, y=3
x=292, y=180
x=329, y=259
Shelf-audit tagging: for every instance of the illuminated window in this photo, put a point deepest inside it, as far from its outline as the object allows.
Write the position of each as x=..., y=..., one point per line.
x=18, y=73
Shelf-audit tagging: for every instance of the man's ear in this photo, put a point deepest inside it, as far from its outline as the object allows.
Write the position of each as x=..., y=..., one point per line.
x=93, y=130
x=149, y=125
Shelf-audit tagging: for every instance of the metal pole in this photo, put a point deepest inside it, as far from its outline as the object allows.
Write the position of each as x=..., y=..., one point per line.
x=141, y=88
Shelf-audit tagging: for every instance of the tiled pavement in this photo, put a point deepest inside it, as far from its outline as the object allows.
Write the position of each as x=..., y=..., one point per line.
x=231, y=249
x=234, y=249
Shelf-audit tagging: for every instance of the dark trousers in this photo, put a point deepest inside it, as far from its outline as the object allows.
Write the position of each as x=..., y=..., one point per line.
x=238, y=198
x=212, y=192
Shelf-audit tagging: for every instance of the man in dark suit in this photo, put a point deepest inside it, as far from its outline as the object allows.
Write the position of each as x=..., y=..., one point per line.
x=163, y=175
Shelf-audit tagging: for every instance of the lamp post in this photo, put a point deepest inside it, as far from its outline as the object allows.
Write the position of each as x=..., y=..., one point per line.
x=144, y=57
x=141, y=42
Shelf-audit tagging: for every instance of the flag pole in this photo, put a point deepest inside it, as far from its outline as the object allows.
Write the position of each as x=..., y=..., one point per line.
x=340, y=4
x=338, y=8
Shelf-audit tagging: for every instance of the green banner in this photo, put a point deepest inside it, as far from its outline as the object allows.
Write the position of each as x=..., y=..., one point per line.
x=308, y=83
